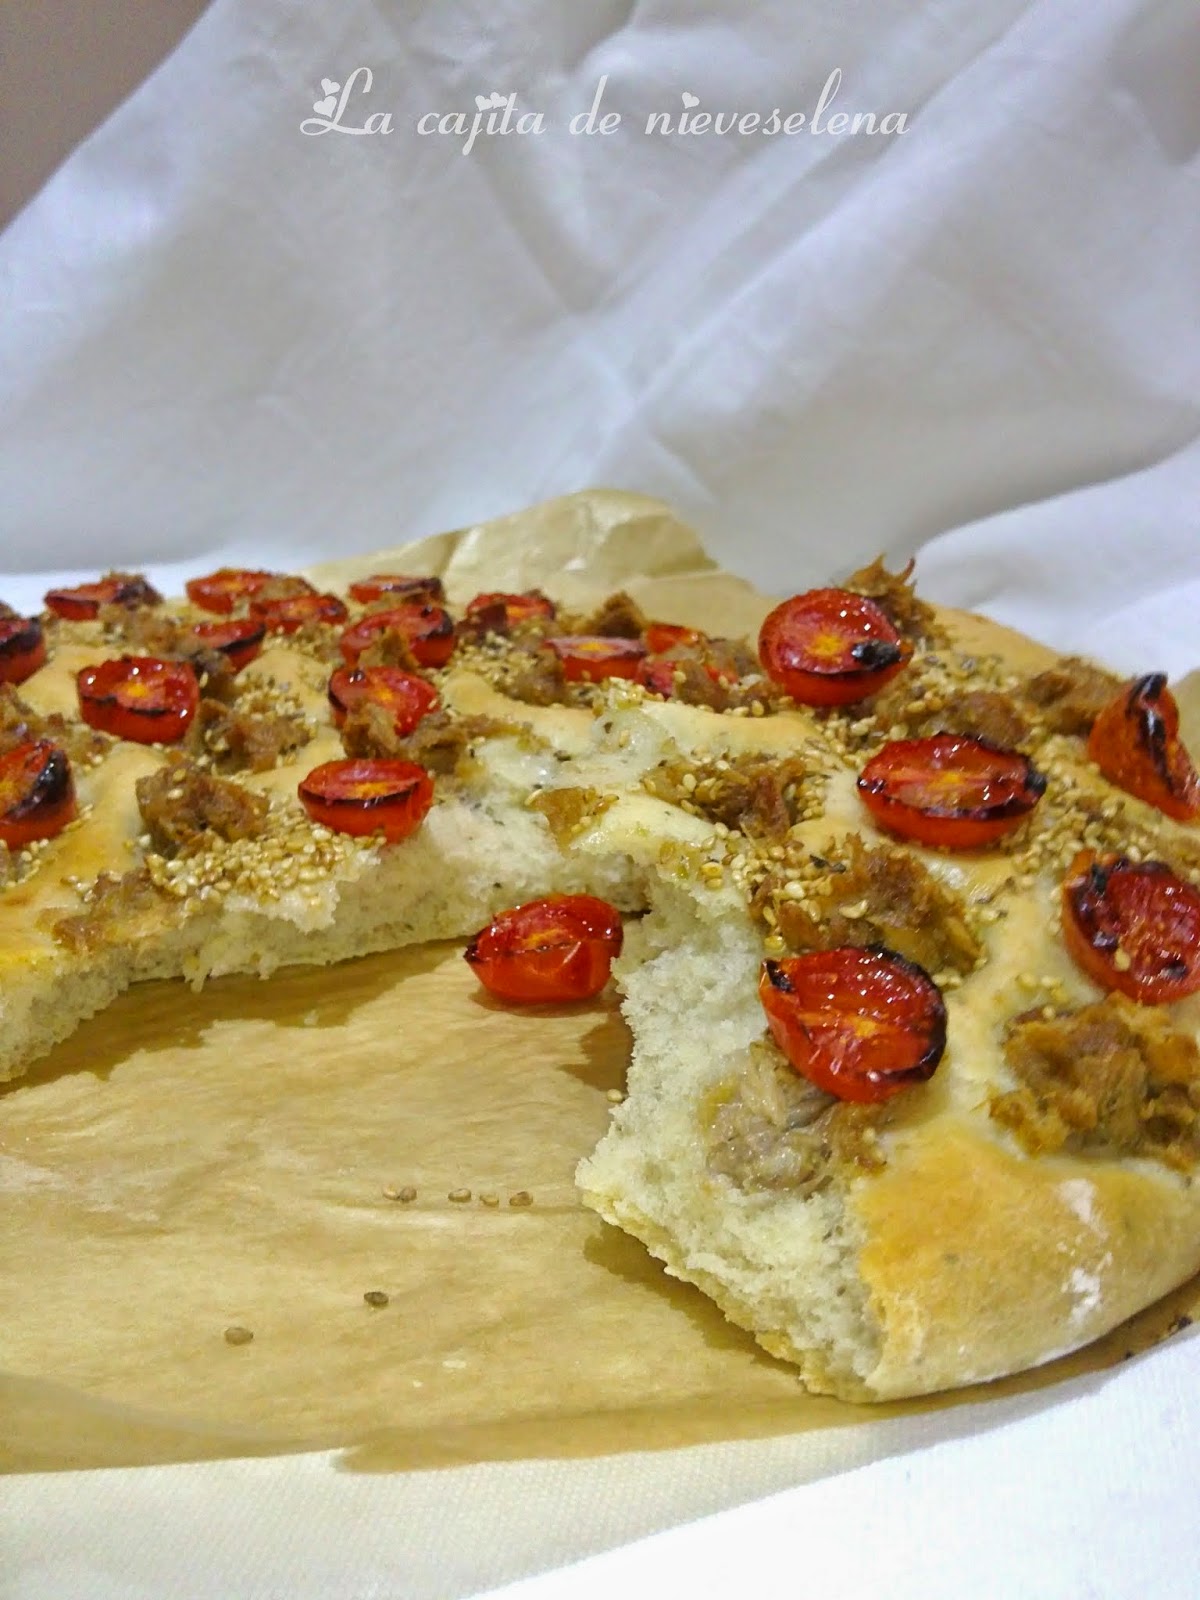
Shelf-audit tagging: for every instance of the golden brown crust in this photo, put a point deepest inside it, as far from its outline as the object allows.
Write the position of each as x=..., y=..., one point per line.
x=980, y=1262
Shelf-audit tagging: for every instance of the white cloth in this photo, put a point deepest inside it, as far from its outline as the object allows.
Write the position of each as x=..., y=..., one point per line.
x=224, y=338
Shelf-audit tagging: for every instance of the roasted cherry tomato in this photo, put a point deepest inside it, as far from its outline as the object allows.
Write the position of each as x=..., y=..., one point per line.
x=362, y=797
x=587, y=658
x=406, y=697
x=514, y=608
x=381, y=585
x=428, y=630
x=1133, y=926
x=37, y=793
x=950, y=790
x=289, y=612
x=830, y=647
x=83, y=603
x=224, y=590
x=139, y=698
x=560, y=948
x=239, y=639
x=1135, y=742
x=663, y=636
x=22, y=648
x=861, y=1024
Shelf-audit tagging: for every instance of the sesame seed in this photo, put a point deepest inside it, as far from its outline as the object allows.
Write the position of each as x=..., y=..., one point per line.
x=375, y=1297
x=238, y=1335
x=459, y=1196
x=520, y=1199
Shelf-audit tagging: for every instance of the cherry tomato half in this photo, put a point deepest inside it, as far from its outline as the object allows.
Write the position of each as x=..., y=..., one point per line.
x=239, y=639
x=22, y=648
x=588, y=658
x=830, y=647
x=861, y=1024
x=950, y=790
x=514, y=608
x=289, y=612
x=364, y=797
x=557, y=949
x=663, y=636
x=406, y=697
x=37, y=793
x=139, y=698
x=422, y=591
x=428, y=630
x=1133, y=926
x=222, y=591
x=1135, y=742
x=83, y=602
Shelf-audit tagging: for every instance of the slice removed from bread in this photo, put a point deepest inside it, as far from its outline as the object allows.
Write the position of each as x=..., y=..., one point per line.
x=922, y=1248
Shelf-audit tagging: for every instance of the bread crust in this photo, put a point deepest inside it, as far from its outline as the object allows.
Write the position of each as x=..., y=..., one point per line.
x=980, y=1261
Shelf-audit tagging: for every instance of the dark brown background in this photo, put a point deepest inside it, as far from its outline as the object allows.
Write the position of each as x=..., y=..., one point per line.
x=66, y=64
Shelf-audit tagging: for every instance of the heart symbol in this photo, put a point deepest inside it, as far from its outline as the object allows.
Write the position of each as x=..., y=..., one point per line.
x=324, y=107
x=690, y=100
x=329, y=87
x=483, y=101
x=499, y=99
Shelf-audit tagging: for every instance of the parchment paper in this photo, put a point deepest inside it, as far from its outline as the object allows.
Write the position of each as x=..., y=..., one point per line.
x=262, y=1155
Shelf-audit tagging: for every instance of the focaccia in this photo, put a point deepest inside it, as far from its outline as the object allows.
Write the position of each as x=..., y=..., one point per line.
x=1031, y=1194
